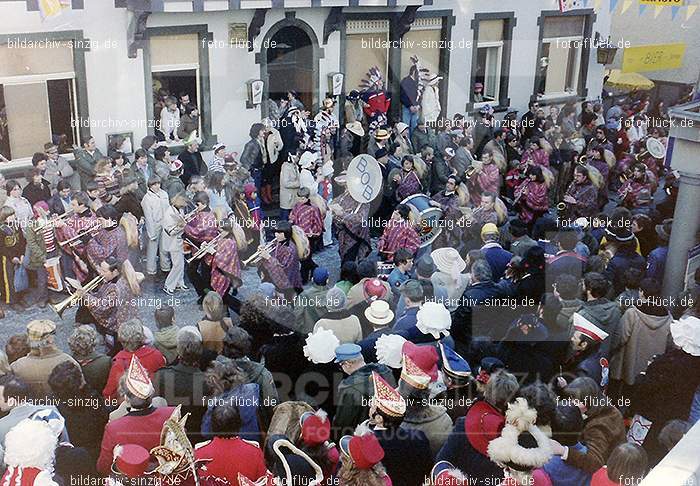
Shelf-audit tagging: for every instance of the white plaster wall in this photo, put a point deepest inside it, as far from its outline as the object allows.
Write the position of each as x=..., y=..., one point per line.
x=116, y=88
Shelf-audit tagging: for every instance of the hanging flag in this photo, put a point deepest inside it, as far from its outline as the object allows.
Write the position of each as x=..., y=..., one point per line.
x=52, y=8
x=567, y=5
x=690, y=11
x=626, y=4
x=657, y=10
x=642, y=8
x=674, y=12
x=663, y=3
x=597, y=4
x=613, y=4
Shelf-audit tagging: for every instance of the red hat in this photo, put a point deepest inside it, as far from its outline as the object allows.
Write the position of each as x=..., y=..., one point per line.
x=315, y=427
x=413, y=375
x=131, y=460
x=249, y=189
x=425, y=357
x=482, y=424
x=445, y=474
x=373, y=289
x=364, y=450
x=137, y=379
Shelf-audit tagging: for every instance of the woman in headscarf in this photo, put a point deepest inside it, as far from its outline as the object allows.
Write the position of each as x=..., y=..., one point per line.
x=533, y=196
x=215, y=324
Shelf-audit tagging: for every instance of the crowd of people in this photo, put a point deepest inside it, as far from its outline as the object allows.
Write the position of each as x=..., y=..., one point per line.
x=518, y=335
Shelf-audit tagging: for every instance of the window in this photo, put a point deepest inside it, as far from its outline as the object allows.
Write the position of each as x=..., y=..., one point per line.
x=422, y=41
x=560, y=63
x=489, y=56
x=174, y=71
x=367, y=45
x=37, y=99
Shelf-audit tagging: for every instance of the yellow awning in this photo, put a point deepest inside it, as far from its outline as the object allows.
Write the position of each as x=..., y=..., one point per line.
x=629, y=81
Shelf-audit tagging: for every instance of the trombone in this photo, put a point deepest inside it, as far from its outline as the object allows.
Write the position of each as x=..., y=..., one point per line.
x=205, y=247
x=90, y=231
x=255, y=257
x=74, y=298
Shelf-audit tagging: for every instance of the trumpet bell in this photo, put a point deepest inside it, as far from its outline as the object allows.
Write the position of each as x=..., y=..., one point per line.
x=561, y=206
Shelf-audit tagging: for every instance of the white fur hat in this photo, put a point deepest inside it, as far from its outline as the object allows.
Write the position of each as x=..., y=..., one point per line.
x=320, y=346
x=30, y=443
x=389, y=348
x=507, y=450
x=434, y=318
x=686, y=334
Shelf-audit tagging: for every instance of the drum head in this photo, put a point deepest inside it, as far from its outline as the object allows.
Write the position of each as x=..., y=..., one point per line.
x=656, y=148
x=364, y=178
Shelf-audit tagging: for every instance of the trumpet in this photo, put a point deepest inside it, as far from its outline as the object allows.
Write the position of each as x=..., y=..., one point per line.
x=189, y=216
x=73, y=299
x=470, y=172
x=583, y=160
x=255, y=257
x=625, y=175
x=561, y=207
x=205, y=247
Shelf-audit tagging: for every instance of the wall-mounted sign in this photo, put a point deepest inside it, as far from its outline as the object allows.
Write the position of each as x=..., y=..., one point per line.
x=255, y=92
x=566, y=5
x=238, y=34
x=335, y=83
x=663, y=3
x=658, y=57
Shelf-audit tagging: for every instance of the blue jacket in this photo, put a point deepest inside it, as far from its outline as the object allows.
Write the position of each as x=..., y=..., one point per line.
x=619, y=264
x=656, y=263
x=498, y=259
x=406, y=321
x=562, y=473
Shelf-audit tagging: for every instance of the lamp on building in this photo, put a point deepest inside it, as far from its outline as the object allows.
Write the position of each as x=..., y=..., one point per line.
x=254, y=88
x=335, y=84
x=606, y=50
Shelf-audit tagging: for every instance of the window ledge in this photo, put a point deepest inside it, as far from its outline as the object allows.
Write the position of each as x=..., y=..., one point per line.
x=16, y=165
x=558, y=98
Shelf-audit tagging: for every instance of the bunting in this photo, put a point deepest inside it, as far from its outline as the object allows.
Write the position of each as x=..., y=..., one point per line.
x=657, y=10
x=674, y=12
x=626, y=4
x=642, y=8
x=613, y=5
x=690, y=11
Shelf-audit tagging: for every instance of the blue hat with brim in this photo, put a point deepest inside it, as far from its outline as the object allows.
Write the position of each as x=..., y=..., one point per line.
x=347, y=352
x=453, y=365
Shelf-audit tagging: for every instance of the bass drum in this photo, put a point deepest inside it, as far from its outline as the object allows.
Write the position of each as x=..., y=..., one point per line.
x=426, y=217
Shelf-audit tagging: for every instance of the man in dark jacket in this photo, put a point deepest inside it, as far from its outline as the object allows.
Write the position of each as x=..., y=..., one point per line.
x=252, y=156
x=192, y=162
x=183, y=382
x=566, y=260
x=355, y=391
x=85, y=160
x=494, y=253
x=599, y=310
x=409, y=99
x=474, y=316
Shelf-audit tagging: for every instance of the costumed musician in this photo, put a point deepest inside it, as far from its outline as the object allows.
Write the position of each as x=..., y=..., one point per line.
x=73, y=233
x=114, y=301
x=633, y=187
x=308, y=217
x=280, y=265
x=400, y=232
x=202, y=228
x=349, y=217
x=581, y=196
x=226, y=263
x=174, y=223
x=407, y=180
x=531, y=196
x=112, y=239
x=484, y=176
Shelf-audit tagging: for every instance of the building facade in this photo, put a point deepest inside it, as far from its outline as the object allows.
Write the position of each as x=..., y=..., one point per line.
x=96, y=68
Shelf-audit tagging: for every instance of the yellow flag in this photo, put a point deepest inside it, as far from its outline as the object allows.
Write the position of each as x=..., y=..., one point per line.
x=51, y=8
x=625, y=5
x=690, y=11
x=597, y=4
x=657, y=10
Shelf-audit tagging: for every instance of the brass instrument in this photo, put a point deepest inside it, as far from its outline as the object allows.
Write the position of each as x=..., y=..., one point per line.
x=470, y=172
x=625, y=175
x=187, y=218
x=561, y=207
x=73, y=299
x=205, y=247
x=583, y=160
x=74, y=241
x=255, y=257
x=521, y=193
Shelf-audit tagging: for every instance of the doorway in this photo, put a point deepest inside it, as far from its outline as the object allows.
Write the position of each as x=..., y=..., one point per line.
x=290, y=65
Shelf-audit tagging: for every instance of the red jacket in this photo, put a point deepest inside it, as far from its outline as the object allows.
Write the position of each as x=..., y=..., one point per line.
x=141, y=427
x=230, y=457
x=150, y=358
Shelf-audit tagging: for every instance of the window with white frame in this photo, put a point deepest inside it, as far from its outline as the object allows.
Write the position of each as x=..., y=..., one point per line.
x=174, y=72
x=489, y=57
x=37, y=98
x=560, y=64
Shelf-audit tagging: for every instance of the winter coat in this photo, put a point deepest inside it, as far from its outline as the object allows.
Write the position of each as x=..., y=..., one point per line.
x=602, y=432
x=181, y=384
x=36, y=248
x=345, y=326
x=474, y=318
x=154, y=207
x=430, y=104
x=311, y=307
x=35, y=369
x=213, y=333
x=59, y=170
x=407, y=456
x=95, y=370
x=257, y=373
x=606, y=315
x=433, y=421
x=85, y=163
x=643, y=333
x=353, y=394
x=252, y=156
x=289, y=183
x=497, y=258
x=618, y=265
x=166, y=342
x=151, y=359
x=568, y=307
x=421, y=139
x=192, y=164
